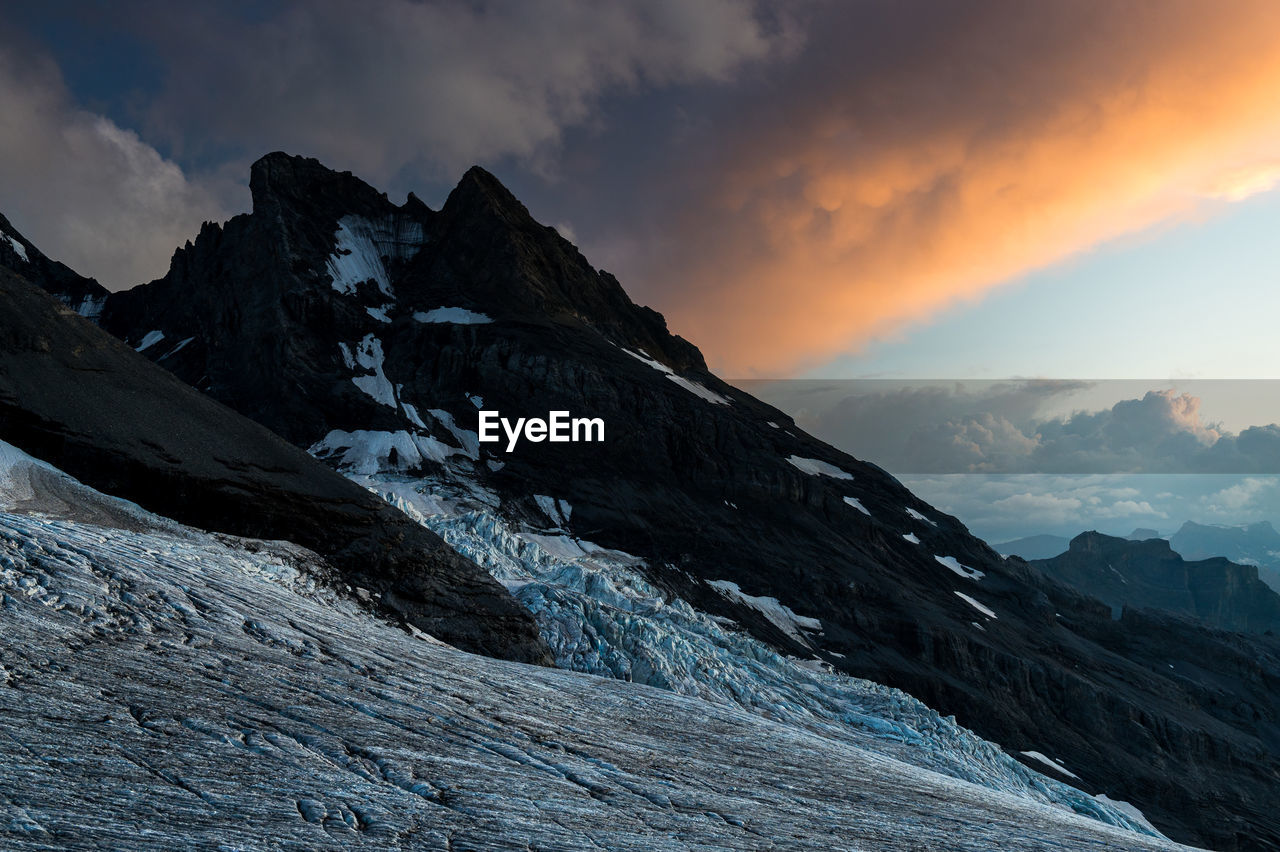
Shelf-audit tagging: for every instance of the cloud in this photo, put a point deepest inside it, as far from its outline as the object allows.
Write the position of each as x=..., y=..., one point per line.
x=430, y=86
x=938, y=428
x=1239, y=496
x=917, y=155
x=1045, y=510
x=85, y=190
x=399, y=91
x=1160, y=433
x=1130, y=508
x=1003, y=507
x=999, y=428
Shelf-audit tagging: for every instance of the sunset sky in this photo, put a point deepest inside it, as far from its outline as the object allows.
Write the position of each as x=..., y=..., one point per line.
x=987, y=188
x=1064, y=189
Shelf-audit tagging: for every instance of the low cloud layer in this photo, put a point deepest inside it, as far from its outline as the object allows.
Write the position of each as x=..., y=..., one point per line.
x=1006, y=507
x=997, y=428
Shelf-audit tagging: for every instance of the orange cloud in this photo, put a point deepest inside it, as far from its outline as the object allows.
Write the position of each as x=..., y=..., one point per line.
x=871, y=193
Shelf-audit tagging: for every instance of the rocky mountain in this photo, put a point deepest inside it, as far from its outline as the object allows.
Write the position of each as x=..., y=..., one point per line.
x=1033, y=546
x=1149, y=574
x=76, y=397
x=1250, y=544
x=1047, y=546
x=374, y=335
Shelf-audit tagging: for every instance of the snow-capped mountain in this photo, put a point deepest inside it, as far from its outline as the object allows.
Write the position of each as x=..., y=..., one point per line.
x=79, y=399
x=706, y=545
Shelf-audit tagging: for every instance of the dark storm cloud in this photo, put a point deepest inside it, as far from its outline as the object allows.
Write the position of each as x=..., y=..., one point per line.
x=387, y=88
x=380, y=87
x=87, y=191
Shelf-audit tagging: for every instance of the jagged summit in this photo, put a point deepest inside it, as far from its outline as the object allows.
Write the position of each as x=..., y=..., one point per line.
x=266, y=302
x=280, y=178
x=479, y=188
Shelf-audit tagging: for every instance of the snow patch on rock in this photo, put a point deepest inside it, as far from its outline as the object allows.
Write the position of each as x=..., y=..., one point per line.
x=952, y=564
x=976, y=605
x=695, y=388
x=151, y=338
x=857, y=504
x=90, y=307
x=356, y=258
x=817, y=467
x=1055, y=765
x=781, y=615
x=469, y=441
x=919, y=517
x=18, y=247
x=366, y=452
x=455, y=316
x=368, y=355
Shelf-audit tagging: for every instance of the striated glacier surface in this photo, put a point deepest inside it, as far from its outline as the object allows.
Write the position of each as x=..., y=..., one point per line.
x=600, y=616
x=163, y=688
x=164, y=691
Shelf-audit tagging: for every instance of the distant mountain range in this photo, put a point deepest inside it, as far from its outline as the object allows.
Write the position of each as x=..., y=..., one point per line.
x=1252, y=544
x=1248, y=544
x=1034, y=546
x=1148, y=573
x=707, y=545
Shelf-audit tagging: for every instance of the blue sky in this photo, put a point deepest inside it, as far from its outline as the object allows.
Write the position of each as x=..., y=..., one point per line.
x=1193, y=300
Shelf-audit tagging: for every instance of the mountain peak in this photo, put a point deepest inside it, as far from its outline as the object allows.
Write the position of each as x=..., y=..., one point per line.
x=1093, y=541
x=278, y=178
x=479, y=190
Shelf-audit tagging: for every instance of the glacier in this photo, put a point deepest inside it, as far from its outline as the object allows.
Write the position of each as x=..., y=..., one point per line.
x=166, y=688
x=600, y=616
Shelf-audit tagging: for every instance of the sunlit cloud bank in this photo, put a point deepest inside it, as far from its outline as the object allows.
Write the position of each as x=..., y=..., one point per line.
x=1000, y=428
x=918, y=154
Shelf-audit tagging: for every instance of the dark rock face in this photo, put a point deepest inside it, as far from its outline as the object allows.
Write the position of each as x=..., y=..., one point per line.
x=318, y=313
x=83, y=295
x=76, y=397
x=1148, y=574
